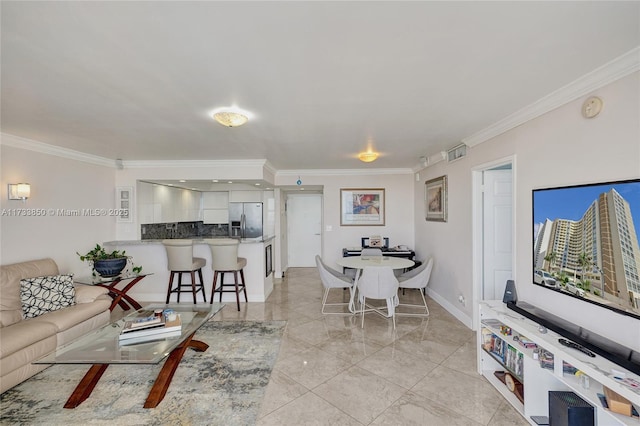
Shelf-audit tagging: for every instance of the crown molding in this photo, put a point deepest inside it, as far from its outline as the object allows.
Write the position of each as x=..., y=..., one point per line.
x=343, y=172
x=146, y=164
x=13, y=141
x=31, y=145
x=269, y=167
x=614, y=70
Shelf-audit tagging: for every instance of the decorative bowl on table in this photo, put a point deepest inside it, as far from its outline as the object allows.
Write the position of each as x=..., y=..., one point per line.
x=109, y=268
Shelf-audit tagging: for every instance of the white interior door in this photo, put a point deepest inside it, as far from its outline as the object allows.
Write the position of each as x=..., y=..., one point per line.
x=304, y=226
x=497, y=232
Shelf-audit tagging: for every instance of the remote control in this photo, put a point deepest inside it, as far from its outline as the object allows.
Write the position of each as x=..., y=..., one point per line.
x=576, y=346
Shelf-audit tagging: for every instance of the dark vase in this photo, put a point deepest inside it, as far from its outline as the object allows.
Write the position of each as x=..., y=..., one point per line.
x=108, y=268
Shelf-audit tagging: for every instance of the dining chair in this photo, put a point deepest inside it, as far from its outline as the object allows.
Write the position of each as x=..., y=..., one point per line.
x=418, y=279
x=378, y=282
x=333, y=279
x=180, y=261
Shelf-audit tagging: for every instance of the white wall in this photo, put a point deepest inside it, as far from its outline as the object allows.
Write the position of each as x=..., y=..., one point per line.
x=56, y=183
x=398, y=206
x=559, y=148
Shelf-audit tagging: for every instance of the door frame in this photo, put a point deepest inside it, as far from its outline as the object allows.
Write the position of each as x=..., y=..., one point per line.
x=478, y=225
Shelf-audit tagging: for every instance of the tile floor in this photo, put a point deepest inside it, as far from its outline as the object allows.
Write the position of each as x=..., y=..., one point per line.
x=330, y=371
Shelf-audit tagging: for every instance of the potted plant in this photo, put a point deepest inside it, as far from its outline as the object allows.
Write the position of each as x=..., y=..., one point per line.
x=107, y=264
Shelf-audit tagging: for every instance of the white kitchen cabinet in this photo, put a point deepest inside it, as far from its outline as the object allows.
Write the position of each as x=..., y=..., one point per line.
x=164, y=204
x=215, y=200
x=145, y=202
x=215, y=216
x=191, y=201
x=215, y=207
x=269, y=213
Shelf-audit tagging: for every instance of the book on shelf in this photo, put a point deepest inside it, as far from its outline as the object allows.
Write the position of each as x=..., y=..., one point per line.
x=129, y=332
x=523, y=341
x=151, y=338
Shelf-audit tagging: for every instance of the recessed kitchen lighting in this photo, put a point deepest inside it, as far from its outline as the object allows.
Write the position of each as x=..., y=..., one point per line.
x=215, y=181
x=182, y=181
x=230, y=181
x=257, y=184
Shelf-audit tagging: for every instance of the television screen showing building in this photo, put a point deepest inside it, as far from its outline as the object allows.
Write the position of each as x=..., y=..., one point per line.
x=596, y=255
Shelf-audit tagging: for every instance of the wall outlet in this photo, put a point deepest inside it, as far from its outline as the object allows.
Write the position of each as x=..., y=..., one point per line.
x=462, y=300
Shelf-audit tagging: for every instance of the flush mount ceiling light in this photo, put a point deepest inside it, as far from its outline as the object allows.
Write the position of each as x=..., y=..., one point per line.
x=230, y=117
x=368, y=156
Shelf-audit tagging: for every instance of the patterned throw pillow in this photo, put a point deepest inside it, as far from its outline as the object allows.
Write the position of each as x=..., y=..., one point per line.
x=46, y=294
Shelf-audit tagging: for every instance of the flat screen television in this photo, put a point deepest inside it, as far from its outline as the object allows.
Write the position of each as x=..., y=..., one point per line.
x=586, y=243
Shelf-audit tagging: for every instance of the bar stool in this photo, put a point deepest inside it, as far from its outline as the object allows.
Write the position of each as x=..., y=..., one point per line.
x=224, y=258
x=180, y=261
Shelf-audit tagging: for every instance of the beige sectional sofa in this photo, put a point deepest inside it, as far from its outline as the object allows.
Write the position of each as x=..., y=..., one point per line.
x=25, y=340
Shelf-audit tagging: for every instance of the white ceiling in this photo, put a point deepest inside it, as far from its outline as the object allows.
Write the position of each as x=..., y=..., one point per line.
x=137, y=80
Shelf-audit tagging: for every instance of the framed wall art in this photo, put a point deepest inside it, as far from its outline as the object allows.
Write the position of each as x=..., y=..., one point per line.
x=435, y=197
x=362, y=206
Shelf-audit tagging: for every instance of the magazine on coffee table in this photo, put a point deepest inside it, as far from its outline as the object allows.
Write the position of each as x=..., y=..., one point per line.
x=156, y=328
x=143, y=323
x=152, y=338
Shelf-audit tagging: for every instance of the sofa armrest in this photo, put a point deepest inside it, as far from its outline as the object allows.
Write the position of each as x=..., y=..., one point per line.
x=88, y=293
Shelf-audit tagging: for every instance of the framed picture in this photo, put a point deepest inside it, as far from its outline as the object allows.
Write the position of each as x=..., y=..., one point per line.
x=435, y=197
x=124, y=200
x=362, y=207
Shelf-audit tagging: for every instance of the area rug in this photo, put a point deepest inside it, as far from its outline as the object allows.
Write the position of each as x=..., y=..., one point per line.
x=224, y=385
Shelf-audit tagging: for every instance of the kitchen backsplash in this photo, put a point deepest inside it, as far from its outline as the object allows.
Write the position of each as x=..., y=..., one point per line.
x=161, y=231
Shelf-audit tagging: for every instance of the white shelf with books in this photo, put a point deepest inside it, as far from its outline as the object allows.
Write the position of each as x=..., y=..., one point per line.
x=552, y=367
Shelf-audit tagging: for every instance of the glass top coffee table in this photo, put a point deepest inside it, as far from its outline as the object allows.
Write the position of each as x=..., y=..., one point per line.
x=102, y=347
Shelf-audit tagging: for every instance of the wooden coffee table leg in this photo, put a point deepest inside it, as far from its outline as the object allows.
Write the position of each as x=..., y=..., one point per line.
x=169, y=368
x=86, y=385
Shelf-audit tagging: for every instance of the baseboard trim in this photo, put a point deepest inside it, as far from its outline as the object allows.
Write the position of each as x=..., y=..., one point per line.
x=452, y=309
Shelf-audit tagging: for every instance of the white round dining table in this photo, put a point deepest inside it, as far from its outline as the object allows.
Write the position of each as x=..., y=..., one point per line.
x=360, y=262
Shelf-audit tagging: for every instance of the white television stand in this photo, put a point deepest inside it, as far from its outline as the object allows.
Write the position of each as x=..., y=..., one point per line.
x=536, y=380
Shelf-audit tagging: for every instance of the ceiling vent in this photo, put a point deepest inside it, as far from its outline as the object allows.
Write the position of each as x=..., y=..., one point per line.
x=456, y=152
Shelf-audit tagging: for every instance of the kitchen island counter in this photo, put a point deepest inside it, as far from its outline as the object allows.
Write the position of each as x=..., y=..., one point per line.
x=151, y=255
x=196, y=240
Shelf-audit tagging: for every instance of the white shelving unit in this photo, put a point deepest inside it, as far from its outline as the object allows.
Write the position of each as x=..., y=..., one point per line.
x=537, y=381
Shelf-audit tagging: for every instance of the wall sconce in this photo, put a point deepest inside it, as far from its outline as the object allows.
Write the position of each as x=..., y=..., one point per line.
x=19, y=191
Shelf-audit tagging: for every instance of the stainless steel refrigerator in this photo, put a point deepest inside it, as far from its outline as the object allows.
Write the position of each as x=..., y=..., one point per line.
x=245, y=220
